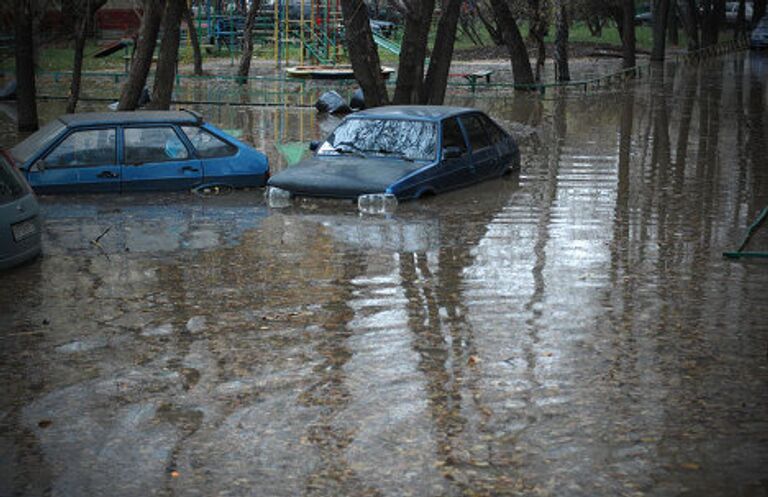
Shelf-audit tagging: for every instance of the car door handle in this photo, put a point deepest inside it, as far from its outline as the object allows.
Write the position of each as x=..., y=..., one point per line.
x=189, y=169
x=107, y=174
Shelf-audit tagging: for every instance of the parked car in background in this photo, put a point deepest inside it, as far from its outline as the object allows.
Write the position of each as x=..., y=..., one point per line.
x=19, y=217
x=135, y=151
x=403, y=152
x=759, y=36
x=732, y=12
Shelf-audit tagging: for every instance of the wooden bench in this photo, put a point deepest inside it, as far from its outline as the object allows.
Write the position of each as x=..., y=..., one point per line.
x=472, y=77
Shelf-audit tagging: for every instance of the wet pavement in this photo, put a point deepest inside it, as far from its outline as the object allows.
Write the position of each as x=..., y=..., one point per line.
x=571, y=330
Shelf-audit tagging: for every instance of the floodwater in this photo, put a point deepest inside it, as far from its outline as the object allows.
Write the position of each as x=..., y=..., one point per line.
x=571, y=330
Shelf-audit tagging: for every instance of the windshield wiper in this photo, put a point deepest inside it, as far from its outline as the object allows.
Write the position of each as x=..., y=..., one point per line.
x=398, y=153
x=352, y=149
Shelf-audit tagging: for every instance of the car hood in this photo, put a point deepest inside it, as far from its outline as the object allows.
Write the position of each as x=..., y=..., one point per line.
x=344, y=177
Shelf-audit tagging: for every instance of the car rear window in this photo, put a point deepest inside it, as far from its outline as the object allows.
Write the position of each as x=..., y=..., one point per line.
x=37, y=141
x=11, y=186
x=207, y=145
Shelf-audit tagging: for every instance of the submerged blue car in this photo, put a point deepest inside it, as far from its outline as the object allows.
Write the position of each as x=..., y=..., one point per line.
x=402, y=152
x=136, y=151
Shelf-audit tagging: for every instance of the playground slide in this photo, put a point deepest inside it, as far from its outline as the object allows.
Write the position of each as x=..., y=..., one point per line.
x=386, y=44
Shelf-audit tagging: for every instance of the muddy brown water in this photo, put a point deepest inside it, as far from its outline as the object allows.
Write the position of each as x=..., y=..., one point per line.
x=571, y=330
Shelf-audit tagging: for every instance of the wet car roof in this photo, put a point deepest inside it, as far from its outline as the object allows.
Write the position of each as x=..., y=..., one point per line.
x=425, y=112
x=130, y=117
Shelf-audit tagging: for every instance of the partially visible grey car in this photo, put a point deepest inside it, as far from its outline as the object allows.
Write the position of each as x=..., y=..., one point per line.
x=759, y=36
x=19, y=217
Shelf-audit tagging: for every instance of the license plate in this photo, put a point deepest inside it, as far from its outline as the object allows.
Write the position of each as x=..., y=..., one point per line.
x=24, y=229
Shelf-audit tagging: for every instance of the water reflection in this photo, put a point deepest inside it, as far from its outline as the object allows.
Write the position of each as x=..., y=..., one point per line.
x=573, y=332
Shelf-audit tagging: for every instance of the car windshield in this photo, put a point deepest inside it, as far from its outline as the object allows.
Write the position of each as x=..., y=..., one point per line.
x=11, y=186
x=39, y=140
x=413, y=140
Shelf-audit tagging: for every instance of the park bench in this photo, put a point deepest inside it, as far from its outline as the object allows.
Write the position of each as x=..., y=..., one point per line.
x=472, y=77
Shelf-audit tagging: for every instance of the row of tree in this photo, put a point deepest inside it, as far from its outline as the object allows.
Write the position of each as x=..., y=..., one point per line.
x=420, y=79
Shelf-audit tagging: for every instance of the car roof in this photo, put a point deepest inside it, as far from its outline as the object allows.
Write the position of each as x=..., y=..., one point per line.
x=420, y=112
x=131, y=117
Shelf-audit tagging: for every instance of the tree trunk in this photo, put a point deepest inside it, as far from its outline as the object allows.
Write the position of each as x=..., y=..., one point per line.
x=690, y=16
x=494, y=30
x=713, y=15
x=77, y=66
x=518, y=53
x=245, y=58
x=563, y=73
x=628, y=34
x=168, y=58
x=84, y=15
x=363, y=53
x=433, y=90
x=537, y=31
x=410, y=70
x=673, y=25
x=142, y=54
x=25, y=66
x=758, y=11
x=660, y=16
x=739, y=28
x=192, y=30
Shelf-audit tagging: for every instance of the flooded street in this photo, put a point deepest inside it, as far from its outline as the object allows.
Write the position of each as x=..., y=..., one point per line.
x=573, y=330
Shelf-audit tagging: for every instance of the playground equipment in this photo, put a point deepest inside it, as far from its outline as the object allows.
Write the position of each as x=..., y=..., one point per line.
x=739, y=252
x=302, y=30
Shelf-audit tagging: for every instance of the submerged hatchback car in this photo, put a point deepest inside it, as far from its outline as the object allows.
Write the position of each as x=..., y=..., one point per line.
x=404, y=152
x=135, y=151
x=19, y=217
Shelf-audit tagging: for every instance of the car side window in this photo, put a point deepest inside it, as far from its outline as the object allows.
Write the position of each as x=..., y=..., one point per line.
x=206, y=144
x=478, y=137
x=156, y=144
x=452, y=135
x=495, y=133
x=93, y=147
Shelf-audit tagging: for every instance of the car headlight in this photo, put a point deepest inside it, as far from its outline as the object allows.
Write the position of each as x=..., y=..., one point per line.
x=277, y=197
x=377, y=203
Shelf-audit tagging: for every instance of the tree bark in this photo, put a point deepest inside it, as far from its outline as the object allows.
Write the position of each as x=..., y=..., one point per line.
x=628, y=34
x=26, y=93
x=142, y=55
x=518, y=53
x=410, y=70
x=245, y=58
x=363, y=53
x=433, y=90
x=561, y=42
x=84, y=12
x=168, y=58
x=192, y=30
x=660, y=17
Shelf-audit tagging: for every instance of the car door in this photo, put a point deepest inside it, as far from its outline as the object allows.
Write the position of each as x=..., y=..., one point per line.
x=156, y=158
x=82, y=161
x=485, y=158
x=454, y=171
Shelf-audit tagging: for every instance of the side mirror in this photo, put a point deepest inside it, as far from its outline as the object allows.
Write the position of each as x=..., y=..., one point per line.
x=38, y=166
x=314, y=145
x=452, y=152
